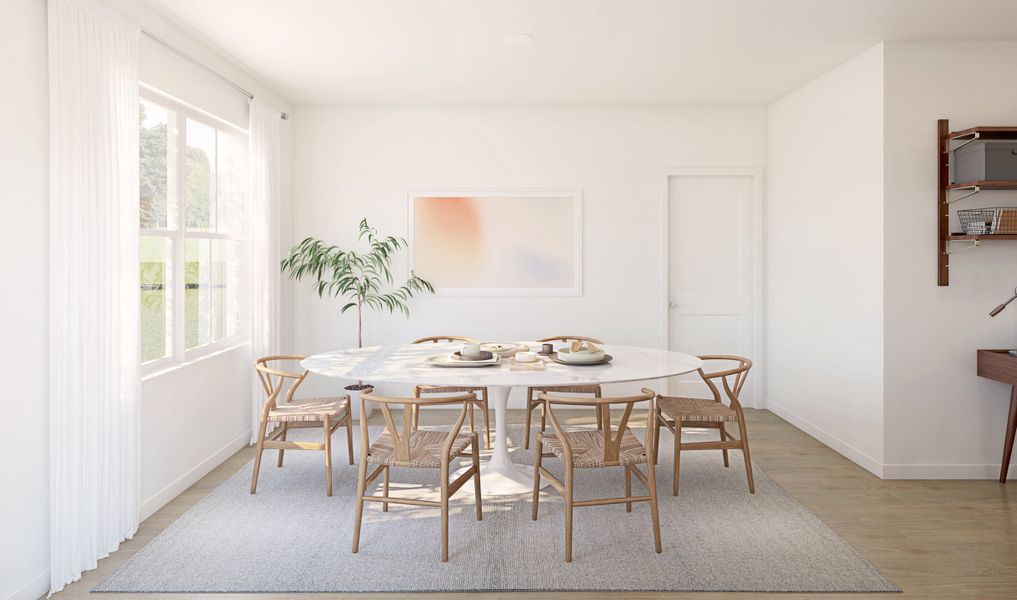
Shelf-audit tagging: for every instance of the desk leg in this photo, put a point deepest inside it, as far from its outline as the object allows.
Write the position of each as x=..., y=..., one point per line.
x=1011, y=429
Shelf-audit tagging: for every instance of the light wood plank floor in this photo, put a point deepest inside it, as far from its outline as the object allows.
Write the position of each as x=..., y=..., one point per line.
x=935, y=539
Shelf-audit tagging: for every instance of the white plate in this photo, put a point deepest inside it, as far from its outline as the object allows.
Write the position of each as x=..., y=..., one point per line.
x=582, y=357
x=501, y=347
x=444, y=361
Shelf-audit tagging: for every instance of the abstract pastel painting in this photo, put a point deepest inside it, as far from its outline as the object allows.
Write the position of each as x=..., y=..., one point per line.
x=498, y=242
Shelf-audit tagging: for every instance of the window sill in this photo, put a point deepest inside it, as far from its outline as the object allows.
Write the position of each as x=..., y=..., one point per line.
x=158, y=370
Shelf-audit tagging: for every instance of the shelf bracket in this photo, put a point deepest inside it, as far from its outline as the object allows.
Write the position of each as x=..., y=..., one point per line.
x=974, y=244
x=974, y=189
x=974, y=137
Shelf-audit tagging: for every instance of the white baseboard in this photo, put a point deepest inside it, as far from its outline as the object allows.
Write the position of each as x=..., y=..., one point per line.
x=171, y=491
x=847, y=450
x=946, y=471
x=33, y=589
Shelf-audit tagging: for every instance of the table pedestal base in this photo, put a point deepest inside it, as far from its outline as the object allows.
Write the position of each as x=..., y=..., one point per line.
x=500, y=476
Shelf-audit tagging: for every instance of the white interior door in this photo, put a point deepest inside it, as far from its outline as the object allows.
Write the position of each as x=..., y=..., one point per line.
x=712, y=273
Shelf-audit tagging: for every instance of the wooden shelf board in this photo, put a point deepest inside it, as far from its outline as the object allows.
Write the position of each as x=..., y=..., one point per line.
x=986, y=133
x=962, y=237
x=986, y=184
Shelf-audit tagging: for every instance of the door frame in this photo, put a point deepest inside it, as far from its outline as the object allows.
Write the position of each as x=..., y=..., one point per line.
x=757, y=381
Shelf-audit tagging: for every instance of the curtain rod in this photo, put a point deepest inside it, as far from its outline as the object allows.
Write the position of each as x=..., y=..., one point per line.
x=197, y=63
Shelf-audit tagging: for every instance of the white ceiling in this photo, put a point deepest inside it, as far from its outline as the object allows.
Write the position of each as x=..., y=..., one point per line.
x=584, y=51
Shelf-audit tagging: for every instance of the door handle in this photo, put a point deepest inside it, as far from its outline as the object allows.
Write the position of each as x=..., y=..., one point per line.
x=672, y=304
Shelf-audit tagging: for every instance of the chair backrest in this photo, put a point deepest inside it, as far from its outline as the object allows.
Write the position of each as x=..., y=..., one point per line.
x=273, y=380
x=401, y=433
x=613, y=435
x=732, y=379
x=437, y=339
x=570, y=338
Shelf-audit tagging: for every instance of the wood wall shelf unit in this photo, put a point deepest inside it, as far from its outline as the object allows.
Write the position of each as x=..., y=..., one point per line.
x=948, y=142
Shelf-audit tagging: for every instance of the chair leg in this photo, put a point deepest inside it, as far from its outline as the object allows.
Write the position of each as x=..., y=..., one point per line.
x=257, y=455
x=538, y=455
x=600, y=410
x=487, y=421
x=444, y=514
x=723, y=437
x=282, y=438
x=628, y=487
x=384, y=488
x=656, y=438
x=745, y=452
x=477, y=498
x=328, y=456
x=359, y=510
x=543, y=416
x=415, y=410
x=568, y=513
x=651, y=478
x=470, y=405
x=529, y=417
x=349, y=437
x=677, y=452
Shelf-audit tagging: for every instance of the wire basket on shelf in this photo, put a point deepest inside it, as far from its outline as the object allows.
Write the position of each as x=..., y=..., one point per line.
x=988, y=221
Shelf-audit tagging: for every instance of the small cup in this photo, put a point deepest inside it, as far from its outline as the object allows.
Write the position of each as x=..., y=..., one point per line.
x=471, y=350
x=547, y=349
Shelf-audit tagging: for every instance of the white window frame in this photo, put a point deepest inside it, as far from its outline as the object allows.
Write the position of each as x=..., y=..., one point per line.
x=179, y=355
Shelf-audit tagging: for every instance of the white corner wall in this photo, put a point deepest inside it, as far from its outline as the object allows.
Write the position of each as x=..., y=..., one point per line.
x=354, y=162
x=824, y=265
x=942, y=421
x=24, y=148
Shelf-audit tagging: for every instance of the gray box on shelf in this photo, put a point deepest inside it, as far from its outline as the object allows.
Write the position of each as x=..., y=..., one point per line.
x=981, y=160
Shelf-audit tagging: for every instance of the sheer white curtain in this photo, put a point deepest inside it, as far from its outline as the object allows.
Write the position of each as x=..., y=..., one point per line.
x=94, y=355
x=263, y=210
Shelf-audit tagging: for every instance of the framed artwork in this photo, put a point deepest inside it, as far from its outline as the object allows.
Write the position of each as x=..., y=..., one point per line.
x=497, y=242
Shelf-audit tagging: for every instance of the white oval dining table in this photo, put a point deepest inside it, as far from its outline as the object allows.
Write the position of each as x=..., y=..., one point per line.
x=406, y=364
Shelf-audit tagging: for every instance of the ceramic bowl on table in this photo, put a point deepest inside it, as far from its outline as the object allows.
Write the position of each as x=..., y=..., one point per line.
x=582, y=356
x=526, y=357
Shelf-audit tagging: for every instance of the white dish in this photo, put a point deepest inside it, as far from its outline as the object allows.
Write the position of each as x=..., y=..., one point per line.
x=582, y=357
x=526, y=357
x=445, y=361
x=501, y=347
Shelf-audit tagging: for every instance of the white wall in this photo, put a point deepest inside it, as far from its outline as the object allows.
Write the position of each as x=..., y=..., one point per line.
x=824, y=325
x=177, y=448
x=359, y=162
x=941, y=419
x=24, y=471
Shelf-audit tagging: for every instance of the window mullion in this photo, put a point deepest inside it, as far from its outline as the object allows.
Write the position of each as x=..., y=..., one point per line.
x=179, y=247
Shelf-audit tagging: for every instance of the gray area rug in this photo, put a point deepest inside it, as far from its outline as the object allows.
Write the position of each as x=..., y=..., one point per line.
x=290, y=537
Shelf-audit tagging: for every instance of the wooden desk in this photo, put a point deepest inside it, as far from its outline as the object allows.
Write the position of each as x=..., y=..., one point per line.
x=1000, y=366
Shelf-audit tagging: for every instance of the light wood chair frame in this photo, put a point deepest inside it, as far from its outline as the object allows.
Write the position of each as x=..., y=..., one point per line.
x=732, y=380
x=481, y=402
x=612, y=445
x=401, y=443
x=273, y=380
x=532, y=393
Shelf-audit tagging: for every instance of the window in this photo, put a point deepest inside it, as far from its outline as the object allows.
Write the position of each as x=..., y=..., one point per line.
x=193, y=172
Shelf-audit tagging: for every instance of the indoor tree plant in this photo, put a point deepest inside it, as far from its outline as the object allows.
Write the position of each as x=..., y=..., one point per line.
x=356, y=278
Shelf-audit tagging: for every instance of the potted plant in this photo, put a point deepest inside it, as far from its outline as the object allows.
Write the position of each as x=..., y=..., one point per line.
x=357, y=278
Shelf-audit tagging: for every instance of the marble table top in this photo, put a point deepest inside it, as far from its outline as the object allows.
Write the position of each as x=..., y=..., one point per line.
x=407, y=364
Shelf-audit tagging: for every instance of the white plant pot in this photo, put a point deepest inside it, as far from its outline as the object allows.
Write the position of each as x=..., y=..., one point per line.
x=355, y=402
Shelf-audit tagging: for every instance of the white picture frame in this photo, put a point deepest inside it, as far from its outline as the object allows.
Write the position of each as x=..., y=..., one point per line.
x=488, y=194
